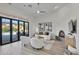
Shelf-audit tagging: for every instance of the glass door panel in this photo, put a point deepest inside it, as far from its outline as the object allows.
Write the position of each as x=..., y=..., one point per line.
x=5, y=30
x=26, y=29
x=21, y=28
x=14, y=30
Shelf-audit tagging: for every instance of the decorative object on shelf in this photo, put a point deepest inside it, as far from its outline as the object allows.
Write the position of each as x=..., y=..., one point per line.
x=73, y=26
x=61, y=34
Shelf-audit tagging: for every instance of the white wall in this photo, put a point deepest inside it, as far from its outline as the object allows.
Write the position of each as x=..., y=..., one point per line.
x=61, y=18
x=32, y=27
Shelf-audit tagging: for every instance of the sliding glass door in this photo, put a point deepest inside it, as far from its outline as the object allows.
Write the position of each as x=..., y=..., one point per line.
x=14, y=30
x=5, y=30
x=11, y=30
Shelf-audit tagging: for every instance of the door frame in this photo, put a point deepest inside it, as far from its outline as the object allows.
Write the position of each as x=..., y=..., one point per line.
x=11, y=29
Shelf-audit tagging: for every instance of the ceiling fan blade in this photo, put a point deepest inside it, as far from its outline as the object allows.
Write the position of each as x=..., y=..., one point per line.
x=42, y=11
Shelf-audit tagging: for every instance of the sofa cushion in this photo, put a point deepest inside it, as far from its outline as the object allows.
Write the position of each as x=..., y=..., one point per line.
x=73, y=50
x=70, y=40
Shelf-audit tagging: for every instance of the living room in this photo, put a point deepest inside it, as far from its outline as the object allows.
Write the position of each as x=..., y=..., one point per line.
x=45, y=27
x=60, y=19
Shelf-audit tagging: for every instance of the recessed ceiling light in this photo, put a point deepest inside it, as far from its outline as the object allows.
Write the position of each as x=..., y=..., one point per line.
x=38, y=11
x=56, y=7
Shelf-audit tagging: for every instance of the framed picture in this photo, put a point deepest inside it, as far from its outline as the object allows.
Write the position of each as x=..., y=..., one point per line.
x=47, y=26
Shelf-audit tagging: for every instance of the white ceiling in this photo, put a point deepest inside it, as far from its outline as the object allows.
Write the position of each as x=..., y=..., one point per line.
x=18, y=9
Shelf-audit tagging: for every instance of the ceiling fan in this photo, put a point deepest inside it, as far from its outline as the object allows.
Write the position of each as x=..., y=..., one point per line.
x=40, y=11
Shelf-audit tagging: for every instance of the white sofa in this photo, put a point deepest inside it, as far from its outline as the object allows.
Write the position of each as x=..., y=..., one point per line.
x=73, y=50
x=47, y=37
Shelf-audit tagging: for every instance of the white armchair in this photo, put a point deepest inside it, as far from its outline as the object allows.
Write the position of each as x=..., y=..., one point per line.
x=25, y=40
x=37, y=43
